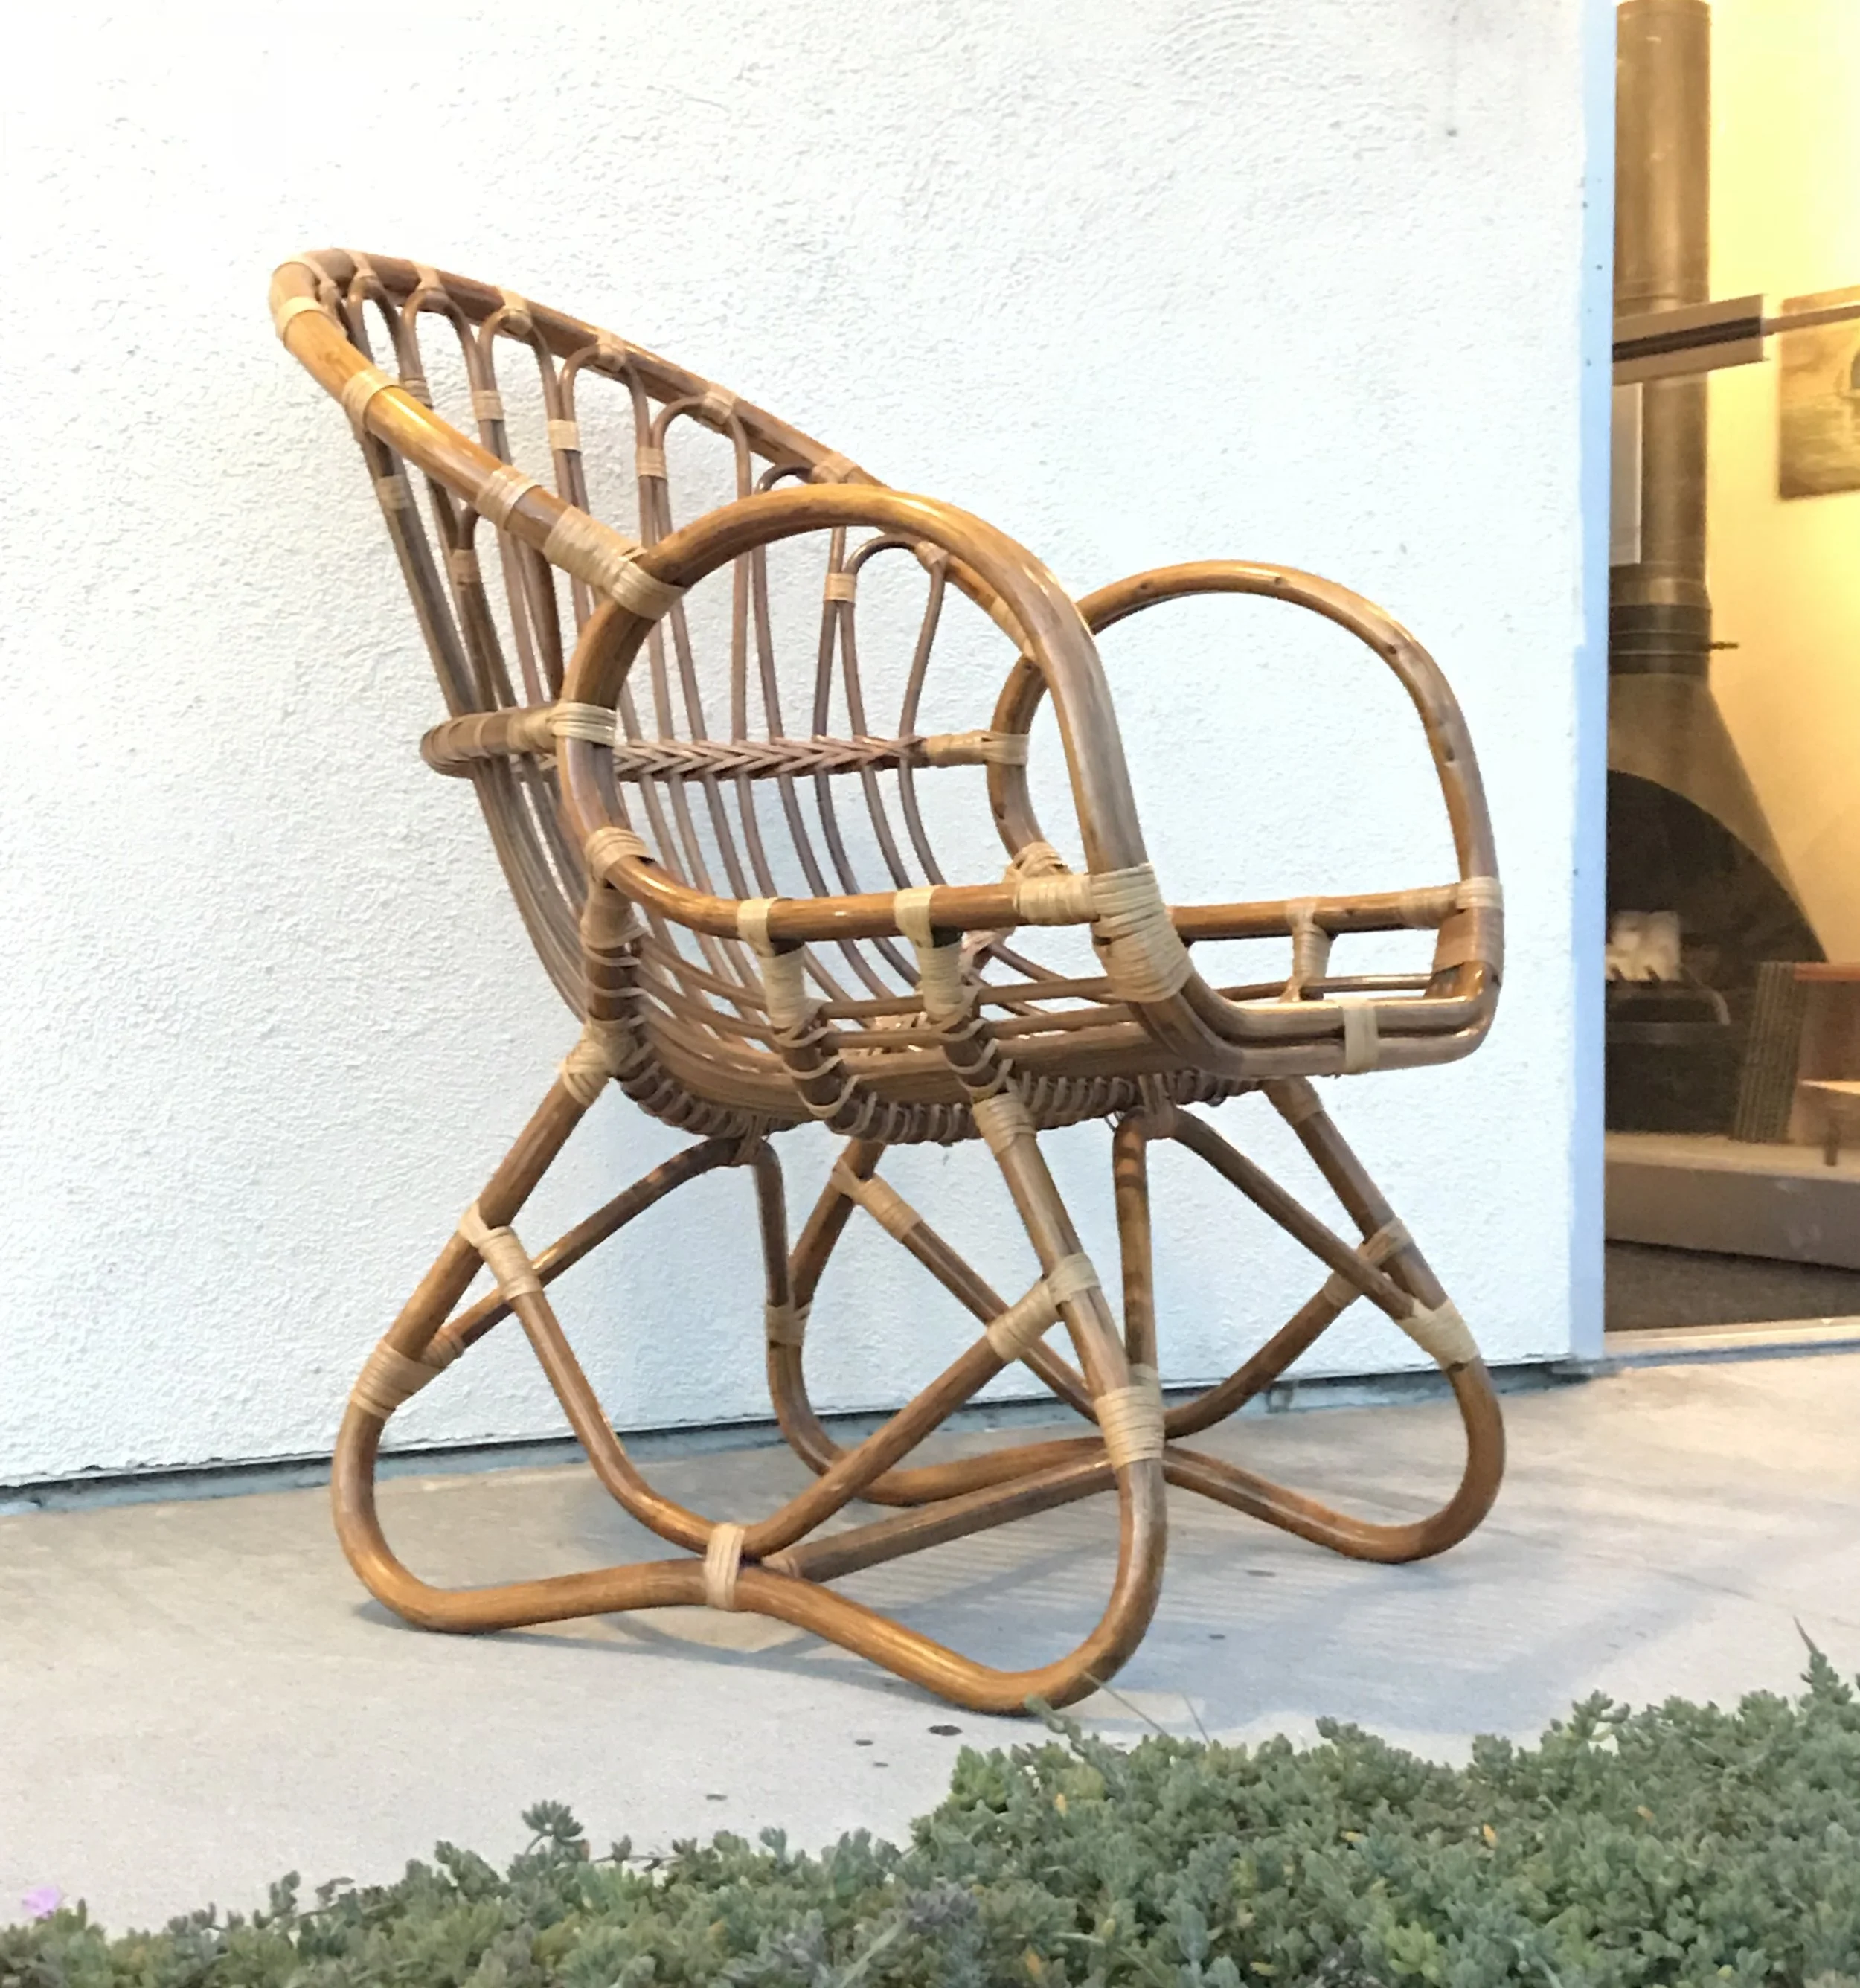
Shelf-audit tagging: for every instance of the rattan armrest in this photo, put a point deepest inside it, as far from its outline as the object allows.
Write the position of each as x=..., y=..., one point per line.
x=1056, y=640
x=1468, y=955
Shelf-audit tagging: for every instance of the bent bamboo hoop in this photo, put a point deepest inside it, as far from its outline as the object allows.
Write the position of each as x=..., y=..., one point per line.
x=724, y=845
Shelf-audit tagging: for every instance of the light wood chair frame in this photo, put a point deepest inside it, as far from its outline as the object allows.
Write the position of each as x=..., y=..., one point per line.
x=739, y=1013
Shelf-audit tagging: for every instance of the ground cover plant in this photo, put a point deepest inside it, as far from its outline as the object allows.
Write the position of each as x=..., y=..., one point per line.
x=1679, y=1844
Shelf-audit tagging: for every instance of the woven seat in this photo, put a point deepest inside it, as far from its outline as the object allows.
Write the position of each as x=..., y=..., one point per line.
x=754, y=737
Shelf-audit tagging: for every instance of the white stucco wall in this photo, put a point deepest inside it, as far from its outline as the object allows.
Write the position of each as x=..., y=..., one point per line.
x=1140, y=282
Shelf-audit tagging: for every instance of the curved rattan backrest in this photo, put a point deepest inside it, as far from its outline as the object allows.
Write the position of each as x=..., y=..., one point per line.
x=722, y=734
x=730, y=785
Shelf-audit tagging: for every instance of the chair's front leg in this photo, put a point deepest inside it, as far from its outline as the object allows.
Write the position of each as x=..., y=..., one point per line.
x=768, y=1567
x=420, y=1344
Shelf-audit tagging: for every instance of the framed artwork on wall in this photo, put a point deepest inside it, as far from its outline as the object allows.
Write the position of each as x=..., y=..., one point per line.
x=1818, y=414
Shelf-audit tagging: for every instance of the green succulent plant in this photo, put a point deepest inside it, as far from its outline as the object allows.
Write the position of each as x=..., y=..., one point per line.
x=1680, y=1844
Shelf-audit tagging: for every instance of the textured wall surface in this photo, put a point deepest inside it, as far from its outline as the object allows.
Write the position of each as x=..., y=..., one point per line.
x=1141, y=282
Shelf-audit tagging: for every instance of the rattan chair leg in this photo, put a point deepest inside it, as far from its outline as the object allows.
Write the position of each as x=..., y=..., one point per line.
x=1364, y=1538
x=470, y=1326
x=1406, y=1281
x=801, y=1426
x=1130, y=1191
x=773, y=1568
x=1058, y=1470
x=786, y=1597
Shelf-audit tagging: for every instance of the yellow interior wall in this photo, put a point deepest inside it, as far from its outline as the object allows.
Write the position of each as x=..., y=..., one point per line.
x=1785, y=577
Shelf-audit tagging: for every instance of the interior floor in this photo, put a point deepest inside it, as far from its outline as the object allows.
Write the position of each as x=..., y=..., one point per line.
x=1647, y=1287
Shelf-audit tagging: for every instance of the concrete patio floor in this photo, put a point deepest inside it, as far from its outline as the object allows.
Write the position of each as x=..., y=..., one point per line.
x=195, y=1696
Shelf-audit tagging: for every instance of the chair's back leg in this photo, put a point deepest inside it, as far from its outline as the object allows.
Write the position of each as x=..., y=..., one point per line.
x=794, y=1409
x=1131, y=1190
x=1388, y=1268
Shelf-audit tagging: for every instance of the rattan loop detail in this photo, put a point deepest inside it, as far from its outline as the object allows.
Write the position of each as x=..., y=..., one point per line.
x=1048, y=899
x=502, y=490
x=504, y=1256
x=880, y=1199
x=974, y=749
x=1442, y=1332
x=594, y=723
x=1023, y=1324
x=1310, y=942
x=1070, y=1277
x=358, y=389
x=390, y=1377
x=784, y=980
x=840, y=586
x=291, y=309
x=1471, y=938
x=722, y=1556
x=607, y=559
x=612, y=844
x=1362, y=1036
x=753, y=924
x=1143, y=957
x=784, y=975
x=1012, y=1332
x=1418, y=908
x=1001, y=1121
x=785, y=1324
x=602, y=1051
x=564, y=435
x=1390, y=1240
x=1297, y=1099
x=1132, y=1420
x=1035, y=859
x=942, y=986
x=910, y=909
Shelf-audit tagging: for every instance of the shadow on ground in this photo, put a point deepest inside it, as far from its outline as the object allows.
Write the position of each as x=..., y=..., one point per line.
x=195, y=1697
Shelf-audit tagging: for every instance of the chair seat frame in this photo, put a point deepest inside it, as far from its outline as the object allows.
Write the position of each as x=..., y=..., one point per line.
x=731, y=1039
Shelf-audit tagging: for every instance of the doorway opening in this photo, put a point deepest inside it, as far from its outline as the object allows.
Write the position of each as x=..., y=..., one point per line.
x=1732, y=1001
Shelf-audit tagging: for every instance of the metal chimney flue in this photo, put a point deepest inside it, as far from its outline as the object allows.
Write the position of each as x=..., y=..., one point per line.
x=1664, y=724
x=1659, y=614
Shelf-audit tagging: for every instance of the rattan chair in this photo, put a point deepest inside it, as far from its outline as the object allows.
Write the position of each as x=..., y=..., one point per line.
x=730, y=875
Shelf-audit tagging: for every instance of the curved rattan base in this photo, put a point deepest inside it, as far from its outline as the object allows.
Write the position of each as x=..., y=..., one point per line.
x=781, y=1565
